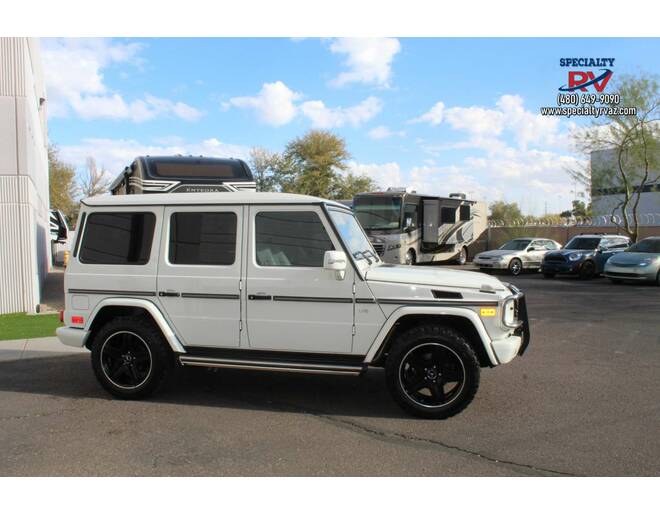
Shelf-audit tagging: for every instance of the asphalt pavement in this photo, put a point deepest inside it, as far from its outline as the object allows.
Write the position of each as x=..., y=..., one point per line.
x=584, y=400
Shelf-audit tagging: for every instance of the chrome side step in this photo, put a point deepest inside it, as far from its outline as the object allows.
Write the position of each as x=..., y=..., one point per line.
x=294, y=367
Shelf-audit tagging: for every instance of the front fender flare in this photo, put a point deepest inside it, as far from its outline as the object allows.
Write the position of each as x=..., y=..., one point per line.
x=153, y=311
x=432, y=311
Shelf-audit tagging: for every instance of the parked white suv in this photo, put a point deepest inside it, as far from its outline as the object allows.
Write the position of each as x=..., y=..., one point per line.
x=272, y=281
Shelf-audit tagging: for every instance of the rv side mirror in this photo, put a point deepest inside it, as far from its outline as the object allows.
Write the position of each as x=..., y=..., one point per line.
x=335, y=261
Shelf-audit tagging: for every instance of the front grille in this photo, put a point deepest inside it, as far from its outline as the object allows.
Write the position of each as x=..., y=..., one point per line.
x=625, y=264
x=379, y=247
x=485, y=258
x=555, y=258
x=619, y=274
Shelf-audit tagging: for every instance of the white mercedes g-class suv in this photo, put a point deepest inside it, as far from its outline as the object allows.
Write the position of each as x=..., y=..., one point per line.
x=276, y=282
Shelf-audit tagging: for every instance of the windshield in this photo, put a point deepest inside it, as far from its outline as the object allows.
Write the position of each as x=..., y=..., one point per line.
x=353, y=236
x=516, y=244
x=645, y=246
x=583, y=243
x=378, y=212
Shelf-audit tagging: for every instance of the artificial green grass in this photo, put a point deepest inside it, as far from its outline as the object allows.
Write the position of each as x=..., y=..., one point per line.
x=22, y=326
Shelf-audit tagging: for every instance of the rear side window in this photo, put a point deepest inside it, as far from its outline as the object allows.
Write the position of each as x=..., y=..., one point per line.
x=203, y=238
x=118, y=238
x=290, y=239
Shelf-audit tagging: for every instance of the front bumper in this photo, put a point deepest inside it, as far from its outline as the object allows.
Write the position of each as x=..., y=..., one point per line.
x=72, y=336
x=515, y=343
x=630, y=273
x=491, y=264
x=561, y=267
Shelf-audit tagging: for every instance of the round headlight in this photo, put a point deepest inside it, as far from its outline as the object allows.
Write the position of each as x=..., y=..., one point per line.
x=574, y=256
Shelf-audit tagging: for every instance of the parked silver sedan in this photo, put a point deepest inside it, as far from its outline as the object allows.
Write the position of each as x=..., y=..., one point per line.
x=516, y=255
x=640, y=261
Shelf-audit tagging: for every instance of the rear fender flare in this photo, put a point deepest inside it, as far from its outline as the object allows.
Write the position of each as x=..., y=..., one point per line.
x=153, y=311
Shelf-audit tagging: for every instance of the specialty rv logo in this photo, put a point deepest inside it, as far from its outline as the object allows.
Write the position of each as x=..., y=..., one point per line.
x=583, y=79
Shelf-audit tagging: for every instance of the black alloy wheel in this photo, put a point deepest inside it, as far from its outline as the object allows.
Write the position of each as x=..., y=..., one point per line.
x=432, y=375
x=126, y=360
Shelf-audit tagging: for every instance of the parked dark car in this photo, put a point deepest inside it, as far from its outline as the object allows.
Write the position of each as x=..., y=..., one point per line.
x=584, y=255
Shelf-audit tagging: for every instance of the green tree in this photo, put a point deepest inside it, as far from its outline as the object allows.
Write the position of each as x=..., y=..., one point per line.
x=580, y=209
x=347, y=186
x=634, y=143
x=504, y=213
x=311, y=164
x=62, y=185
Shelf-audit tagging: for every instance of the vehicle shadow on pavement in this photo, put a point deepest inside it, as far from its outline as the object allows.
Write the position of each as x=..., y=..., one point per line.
x=72, y=377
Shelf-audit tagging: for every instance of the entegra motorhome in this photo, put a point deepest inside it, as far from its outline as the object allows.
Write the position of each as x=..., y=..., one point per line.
x=179, y=174
x=406, y=228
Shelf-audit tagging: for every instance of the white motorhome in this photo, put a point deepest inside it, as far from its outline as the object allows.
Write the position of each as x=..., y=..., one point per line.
x=275, y=282
x=407, y=228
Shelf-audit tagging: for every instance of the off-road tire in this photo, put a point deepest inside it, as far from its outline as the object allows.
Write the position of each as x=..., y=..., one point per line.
x=416, y=338
x=587, y=270
x=515, y=267
x=162, y=359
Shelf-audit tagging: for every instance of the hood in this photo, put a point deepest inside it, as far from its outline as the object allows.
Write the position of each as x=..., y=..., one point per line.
x=568, y=252
x=433, y=276
x=496, y=253
x=631, y=257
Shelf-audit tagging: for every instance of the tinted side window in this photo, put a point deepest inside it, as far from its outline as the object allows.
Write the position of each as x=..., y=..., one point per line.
x=465, y=212
x=117, y=238
x=448, y=215
x=203, y=238
x=290, y=239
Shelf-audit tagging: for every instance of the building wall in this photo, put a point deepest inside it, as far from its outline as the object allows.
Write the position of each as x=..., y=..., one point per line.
x=24, y=219
x=603, y=204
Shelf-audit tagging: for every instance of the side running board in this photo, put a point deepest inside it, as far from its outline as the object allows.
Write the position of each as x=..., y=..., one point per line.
x=272, y=365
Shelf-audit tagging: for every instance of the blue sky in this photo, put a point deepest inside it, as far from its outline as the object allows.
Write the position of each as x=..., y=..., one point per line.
x=437, y=115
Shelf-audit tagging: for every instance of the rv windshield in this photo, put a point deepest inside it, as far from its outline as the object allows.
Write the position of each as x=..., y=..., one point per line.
x=378, y=212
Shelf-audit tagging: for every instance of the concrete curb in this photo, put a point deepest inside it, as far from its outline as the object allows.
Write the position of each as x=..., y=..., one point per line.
x=18, y=349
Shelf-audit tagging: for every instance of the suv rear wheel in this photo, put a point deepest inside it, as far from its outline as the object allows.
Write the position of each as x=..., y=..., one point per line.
x=130, y=357
x=432, y=372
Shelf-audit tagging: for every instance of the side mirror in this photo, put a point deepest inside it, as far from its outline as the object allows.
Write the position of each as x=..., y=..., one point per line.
x=335, y=261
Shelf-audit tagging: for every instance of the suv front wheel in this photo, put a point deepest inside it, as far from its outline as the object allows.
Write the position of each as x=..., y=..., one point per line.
x=432, y=371
x=130, y=357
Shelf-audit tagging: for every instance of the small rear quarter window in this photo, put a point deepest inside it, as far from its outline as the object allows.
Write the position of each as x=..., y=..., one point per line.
x=117, y=238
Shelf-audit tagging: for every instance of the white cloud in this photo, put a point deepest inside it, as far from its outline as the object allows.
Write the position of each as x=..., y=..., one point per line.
x=433, y=116
x=382, y=132
x=75, y=84
x=385, y=175
x=369, y=60
x=333, y=117
x=475, y=120
x=274, y=104
x=115, y=154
